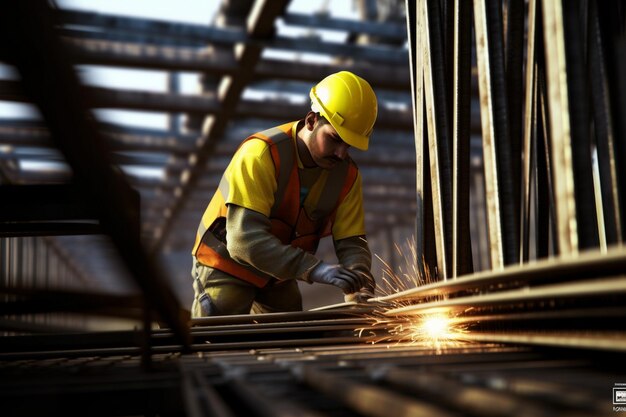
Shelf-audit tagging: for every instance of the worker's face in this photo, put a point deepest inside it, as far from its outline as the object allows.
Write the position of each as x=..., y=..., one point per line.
x=326, y=147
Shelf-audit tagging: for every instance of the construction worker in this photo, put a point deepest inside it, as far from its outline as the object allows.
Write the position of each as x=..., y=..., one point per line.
x=284, y=189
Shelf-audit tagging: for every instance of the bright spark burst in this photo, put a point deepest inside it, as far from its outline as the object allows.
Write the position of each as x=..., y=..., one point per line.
x=435, y=327
x=437, y=330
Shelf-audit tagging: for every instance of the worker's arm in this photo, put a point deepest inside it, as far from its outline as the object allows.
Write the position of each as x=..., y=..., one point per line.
x=354, y=254
x=249, y=241
x=350, y=243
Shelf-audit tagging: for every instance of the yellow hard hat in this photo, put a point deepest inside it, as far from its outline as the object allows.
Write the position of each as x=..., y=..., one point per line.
x=348, y=102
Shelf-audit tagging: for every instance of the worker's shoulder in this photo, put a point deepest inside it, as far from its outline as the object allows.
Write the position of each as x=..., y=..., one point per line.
x=254, y=146
x=260, y=143
x=253, y=152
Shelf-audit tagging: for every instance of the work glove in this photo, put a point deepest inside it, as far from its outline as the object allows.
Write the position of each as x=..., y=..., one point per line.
x=364, y=293
x=349, y=281
x=358, y=297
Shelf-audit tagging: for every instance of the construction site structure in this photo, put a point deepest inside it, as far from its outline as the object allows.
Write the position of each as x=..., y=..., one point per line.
x=497, y=157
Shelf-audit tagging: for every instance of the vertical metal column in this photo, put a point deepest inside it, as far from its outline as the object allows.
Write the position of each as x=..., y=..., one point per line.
x=438, y=135
x=545, y=206
x=529, y=132
x=560, y=127
x=417, y=95
x=603, y=124
x=4, y=267
x=461, y=113
x=501, y=212
x=613, y=26
x=173, y=86
x=575, y=20
x=514, y=65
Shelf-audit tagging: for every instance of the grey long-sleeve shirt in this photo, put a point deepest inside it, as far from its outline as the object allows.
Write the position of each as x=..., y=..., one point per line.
x=249, y=241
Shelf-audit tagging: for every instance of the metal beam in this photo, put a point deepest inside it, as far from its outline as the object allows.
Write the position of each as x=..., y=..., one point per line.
x=494, y=115
x=608, y=162
x=555, y=293
x=37, y=301
x=365, y=399
x=374, y=28
x=209, y=103
x=119, y=28
x=220, y=61
x=461, y=256
x=439, y=140
x=586, y=266
x=560, y=128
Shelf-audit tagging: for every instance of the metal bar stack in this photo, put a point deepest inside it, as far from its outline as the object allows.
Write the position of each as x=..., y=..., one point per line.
x=550, y=141
x=311, y=363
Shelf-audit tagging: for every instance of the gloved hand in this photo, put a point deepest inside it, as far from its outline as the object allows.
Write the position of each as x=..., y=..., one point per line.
x=364, y=293
x=349, y=281
x=358, y=297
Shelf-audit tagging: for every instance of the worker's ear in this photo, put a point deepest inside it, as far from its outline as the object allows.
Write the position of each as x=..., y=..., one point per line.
x=310, y=119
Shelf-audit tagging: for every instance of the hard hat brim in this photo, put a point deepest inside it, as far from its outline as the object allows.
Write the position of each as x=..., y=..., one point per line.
x=353, y=139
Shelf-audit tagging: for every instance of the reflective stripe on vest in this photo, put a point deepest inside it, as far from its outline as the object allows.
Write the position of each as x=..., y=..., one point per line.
x=290, y=222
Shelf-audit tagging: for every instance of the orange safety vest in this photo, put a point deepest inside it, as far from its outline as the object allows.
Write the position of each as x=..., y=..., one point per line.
x=289, y=220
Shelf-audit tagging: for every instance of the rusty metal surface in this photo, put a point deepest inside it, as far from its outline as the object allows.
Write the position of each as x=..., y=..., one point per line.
x=469, y=377
x=560, y=128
